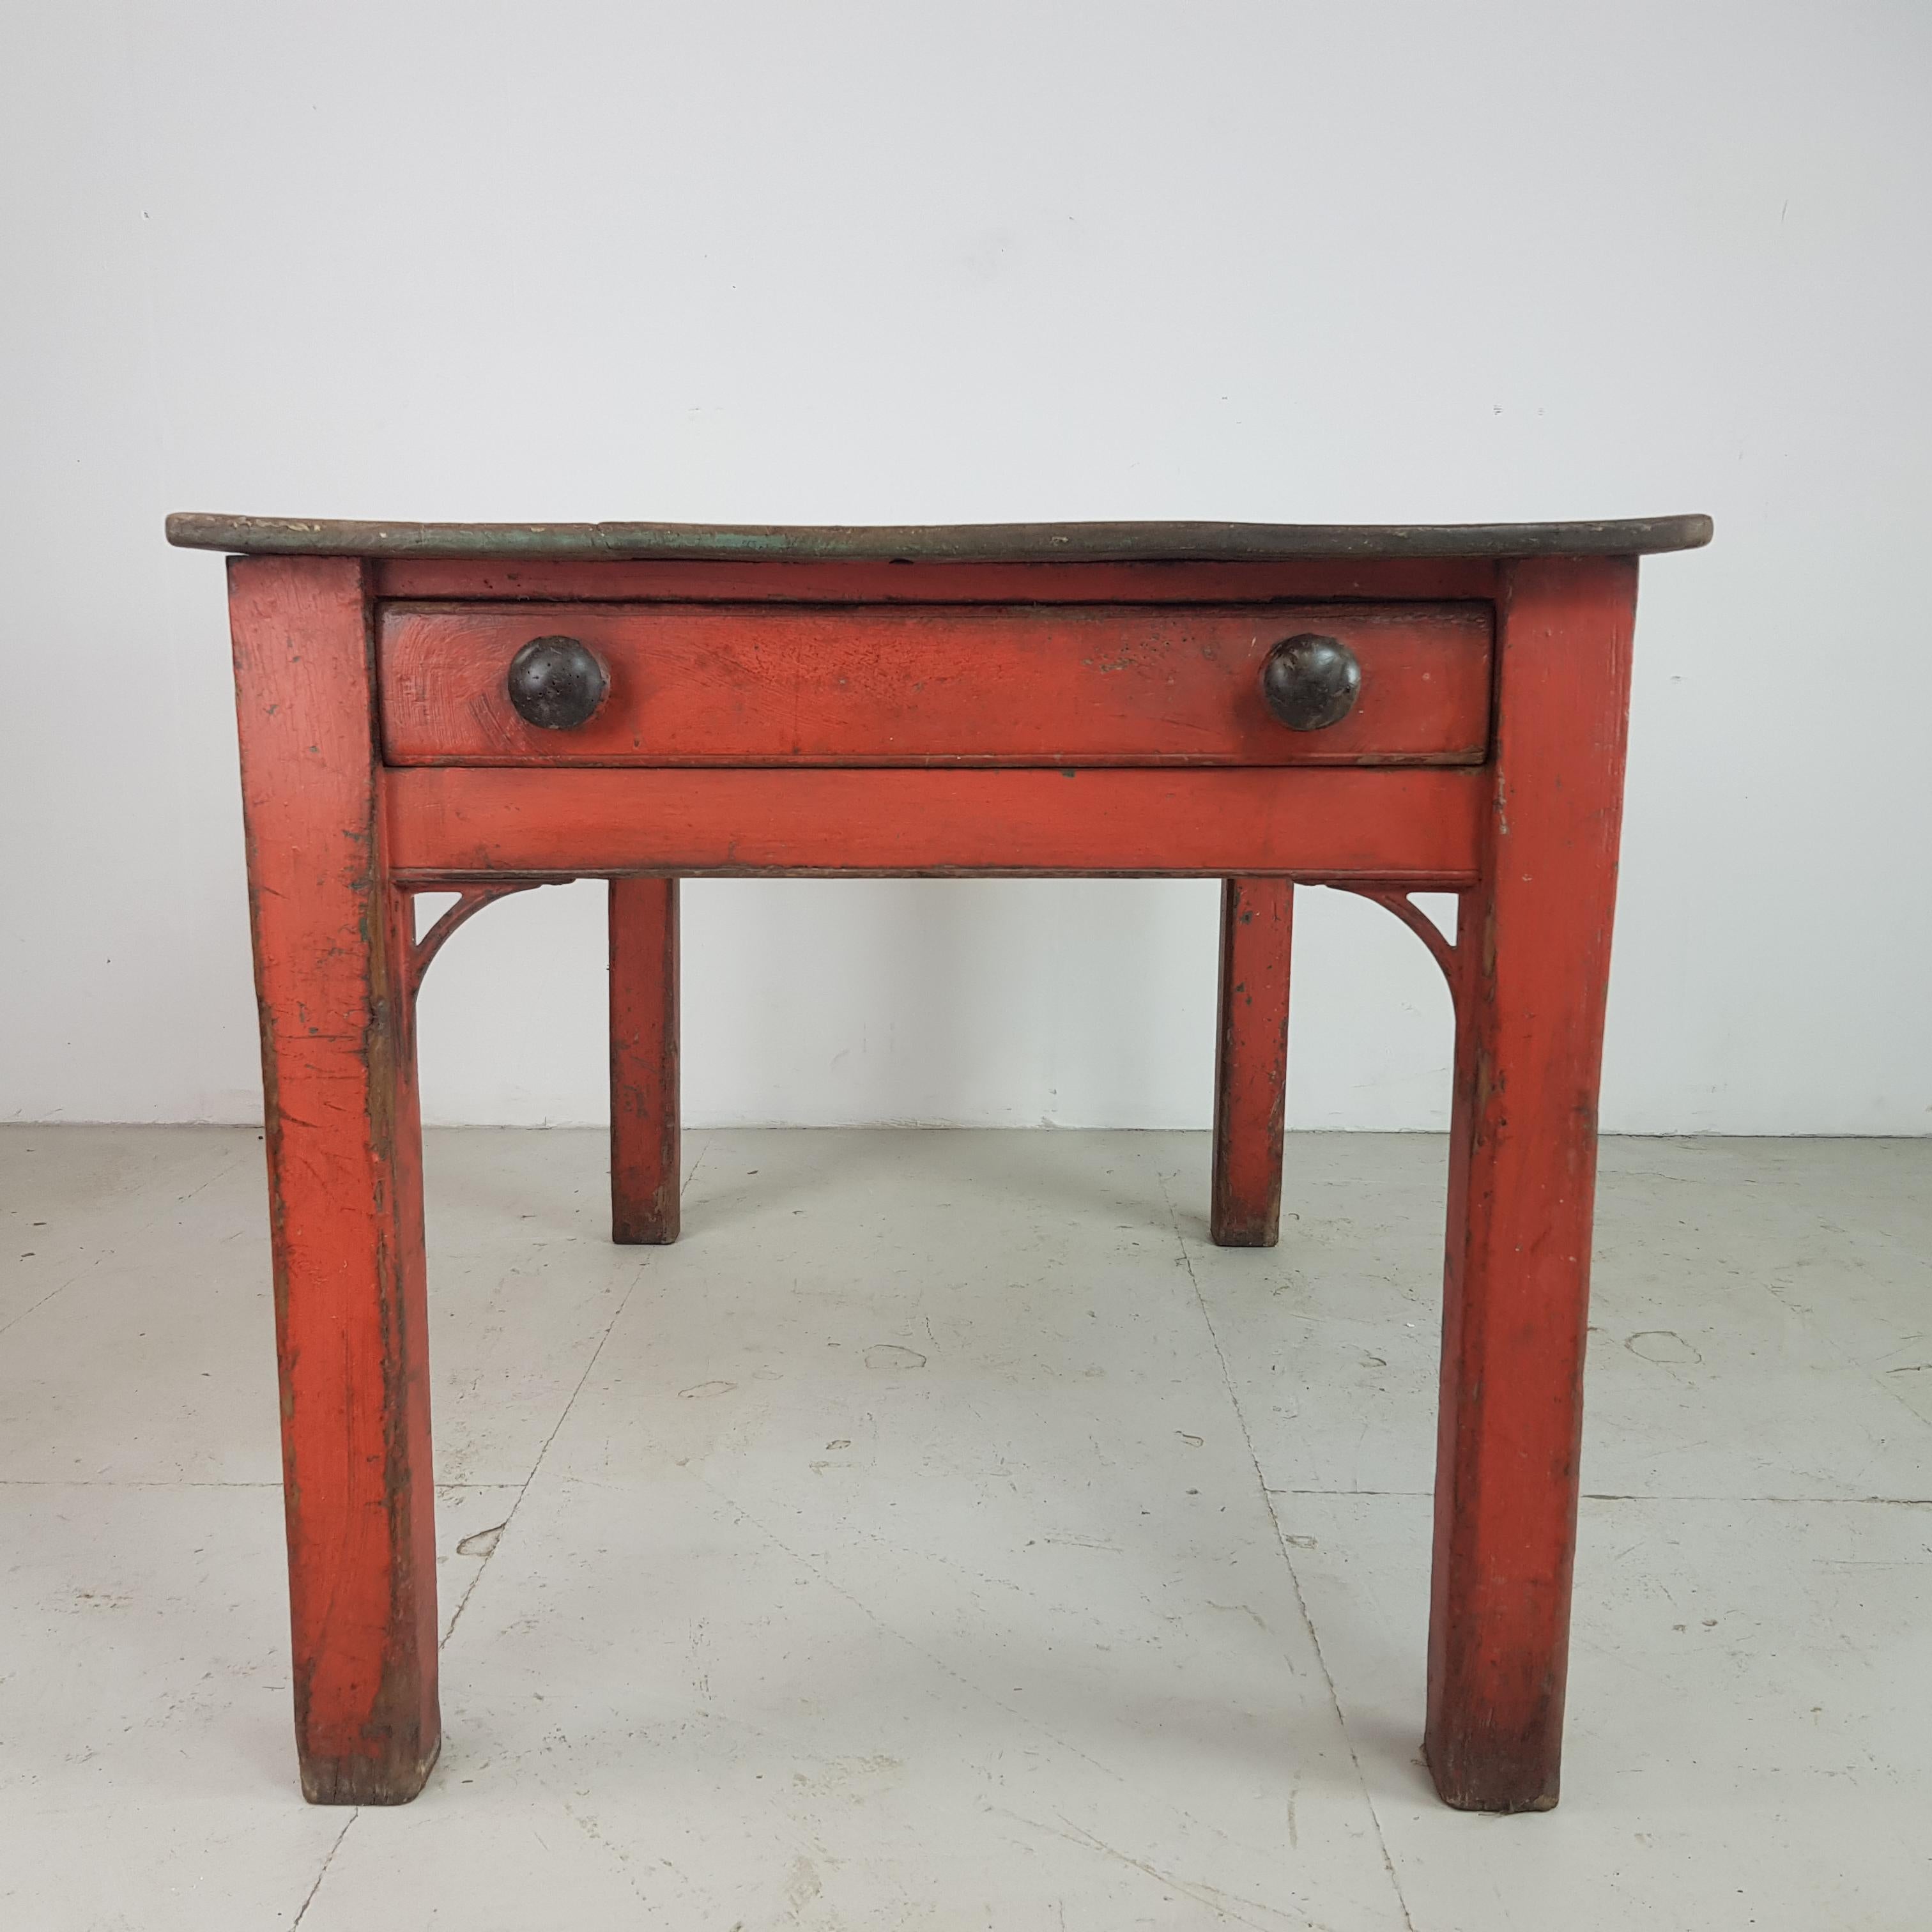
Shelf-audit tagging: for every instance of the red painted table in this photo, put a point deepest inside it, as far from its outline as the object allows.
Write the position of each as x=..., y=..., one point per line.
x=483, y=708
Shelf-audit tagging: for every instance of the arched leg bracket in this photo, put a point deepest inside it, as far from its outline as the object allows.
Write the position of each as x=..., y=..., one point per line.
x=1441, y=946
x=470, y=900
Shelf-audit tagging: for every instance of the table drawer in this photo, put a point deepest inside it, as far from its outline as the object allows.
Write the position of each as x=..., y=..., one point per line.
x=1032, y=684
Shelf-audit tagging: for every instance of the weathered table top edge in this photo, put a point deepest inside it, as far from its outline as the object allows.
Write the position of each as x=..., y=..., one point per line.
x=954, y=543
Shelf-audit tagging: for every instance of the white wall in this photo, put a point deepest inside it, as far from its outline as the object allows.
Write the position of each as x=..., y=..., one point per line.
x=905, y=262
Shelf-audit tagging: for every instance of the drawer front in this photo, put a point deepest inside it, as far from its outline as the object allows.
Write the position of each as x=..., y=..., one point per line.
x=748, y=684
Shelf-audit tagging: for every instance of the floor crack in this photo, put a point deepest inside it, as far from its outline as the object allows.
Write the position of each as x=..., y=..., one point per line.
x=326, y=1863
x=523, y=1488
x=872, y=1616
x=153, y=1220
x=1281, y=1541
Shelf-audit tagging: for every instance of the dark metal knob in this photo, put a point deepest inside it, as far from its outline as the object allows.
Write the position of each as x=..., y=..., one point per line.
x=556, y=682
x=1311, y=682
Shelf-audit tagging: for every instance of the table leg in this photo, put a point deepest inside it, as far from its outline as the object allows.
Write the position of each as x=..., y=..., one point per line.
x=1533, y=956
x=644, y=1163
x=332, y=941
x=1251, y=1061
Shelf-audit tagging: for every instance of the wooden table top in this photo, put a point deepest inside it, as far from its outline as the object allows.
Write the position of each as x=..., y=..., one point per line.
x=948, y=543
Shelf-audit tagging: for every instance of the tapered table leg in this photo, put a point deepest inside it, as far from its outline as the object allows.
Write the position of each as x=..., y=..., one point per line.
x=644, y=1164
x=1251, y=1061
x=1533, y=955
x=331, y=945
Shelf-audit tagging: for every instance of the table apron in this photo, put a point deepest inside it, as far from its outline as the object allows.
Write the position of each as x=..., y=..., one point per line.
x=1420, y=827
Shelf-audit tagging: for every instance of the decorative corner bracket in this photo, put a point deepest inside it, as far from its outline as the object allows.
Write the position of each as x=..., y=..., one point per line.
x=1445, y=951
x=470, y=900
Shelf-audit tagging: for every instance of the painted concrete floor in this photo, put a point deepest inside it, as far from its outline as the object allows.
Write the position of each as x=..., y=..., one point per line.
x=945, y=1535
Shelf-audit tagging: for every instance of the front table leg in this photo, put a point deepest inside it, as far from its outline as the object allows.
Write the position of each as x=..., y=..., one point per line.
x=345, y=1178
x=1533, y=956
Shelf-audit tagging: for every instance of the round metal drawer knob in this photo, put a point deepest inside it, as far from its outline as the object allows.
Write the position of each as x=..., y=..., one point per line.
x=1311, y=682
x=556, y=683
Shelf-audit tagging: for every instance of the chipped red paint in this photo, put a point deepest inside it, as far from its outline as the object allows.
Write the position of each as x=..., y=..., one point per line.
x=547, y=579
x=332, y=949
x=644, y=1044
x=1532, y=965
x=338, y=842
x=470, y=900
x=972, y=684
x=1442, y=947
x=1419, y=827
x=1251, y=1062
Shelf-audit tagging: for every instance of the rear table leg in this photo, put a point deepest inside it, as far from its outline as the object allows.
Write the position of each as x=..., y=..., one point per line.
x=644, y=1060
x=1251, y=1061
